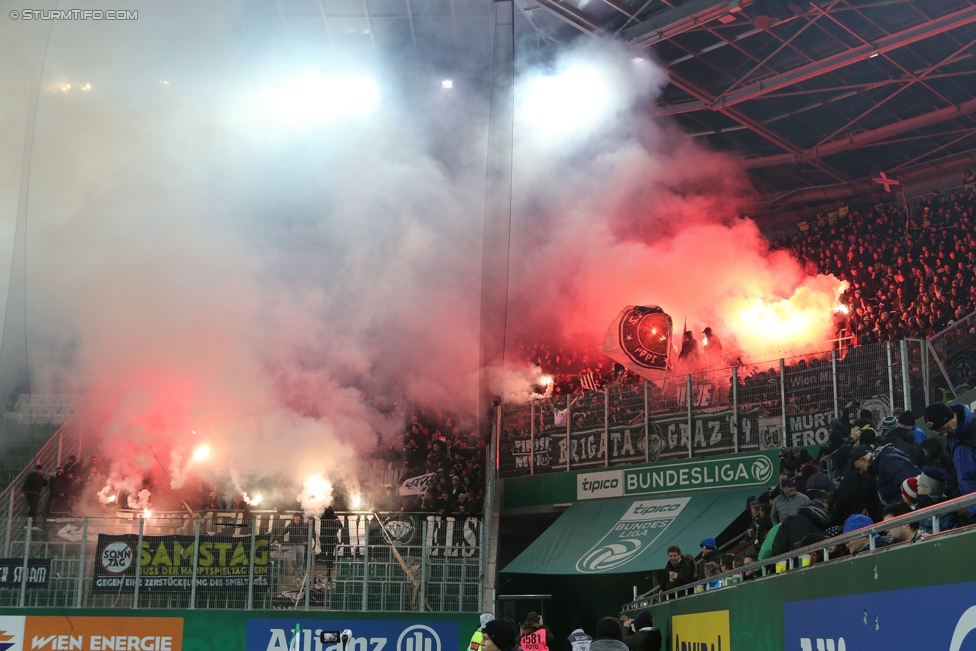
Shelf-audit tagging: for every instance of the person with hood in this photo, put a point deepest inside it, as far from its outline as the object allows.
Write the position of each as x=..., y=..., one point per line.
x=500, y=635
x=904, y=440
x=536, y=636
x=857, y=491
x=646, y=637
x=478, y=636
x=578, y=640
x=891, y=467
x=609, y=636
x=957, y=425
x=907, y=420
x=811, y=518
x=788, y=503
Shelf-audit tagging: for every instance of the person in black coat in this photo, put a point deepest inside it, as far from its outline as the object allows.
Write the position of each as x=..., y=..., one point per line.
x=858, y=489
x=891, y=467
x=812, y=518
x=904, y=440
x=935, y=456
x=679, y=570
x=33, y=485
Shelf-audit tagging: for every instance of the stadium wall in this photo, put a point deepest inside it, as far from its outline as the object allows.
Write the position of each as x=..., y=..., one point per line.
x=913, y=596
x=56, y=629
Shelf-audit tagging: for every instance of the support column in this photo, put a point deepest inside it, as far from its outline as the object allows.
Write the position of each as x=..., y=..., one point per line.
x=496, y=238
x=833, y=375
x=691, y=422
x=647, y=426
x=782, y=394
x=906, y=382
x=735, y=408
x=891, y=377
x=531, y=437
x=606, y=427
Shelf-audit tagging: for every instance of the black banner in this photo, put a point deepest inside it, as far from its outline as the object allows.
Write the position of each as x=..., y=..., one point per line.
x=12, y=572
x=166, y=563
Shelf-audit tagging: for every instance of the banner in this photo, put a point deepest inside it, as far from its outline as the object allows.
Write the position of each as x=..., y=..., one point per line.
x=710, y=473
x=367, y=635
x=942, y=617
x=640, y=340
x=166, y=563
x=708, y=630
x=63, y=633
x=416, y=485
x=12, y=572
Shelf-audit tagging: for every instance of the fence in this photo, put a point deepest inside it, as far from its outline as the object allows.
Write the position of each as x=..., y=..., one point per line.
x=927, y=519
x=783, y=403
x=389, y=562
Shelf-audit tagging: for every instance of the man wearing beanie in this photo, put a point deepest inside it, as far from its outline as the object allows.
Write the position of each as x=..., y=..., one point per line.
x=935, y=456
x=858, y=489
x=609, y=636
x=646, y=637
x=957, y=424
x=931, y=491
x=891, y=467
x=500, y=635
x=907, y=420
x=909, y=491
x=857, y=522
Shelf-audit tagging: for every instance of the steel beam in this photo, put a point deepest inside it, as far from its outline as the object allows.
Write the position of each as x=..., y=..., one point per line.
x=864, y=139
x=753, y=126
x=671, y=22
x=848, y=57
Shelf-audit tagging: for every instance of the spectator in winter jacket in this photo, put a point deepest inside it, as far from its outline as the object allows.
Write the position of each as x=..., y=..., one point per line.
x=812, y=518
x=904, y=440
x=577, y=640
x=709, y=551
x=788, y=503
x=678, y=571
x=891, y=467
x=646, y=637
x=857, y=491
x=907, y=420
x=935, y=456
x=609, y=636
x=957, y=424
x=931, y=491
x=33, y=485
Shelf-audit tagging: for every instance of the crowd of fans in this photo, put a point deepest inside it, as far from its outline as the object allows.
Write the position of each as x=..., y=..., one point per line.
x=868, y=473
x=909, y=276
x=449, y=461
x=609, y=634
x=446, y=461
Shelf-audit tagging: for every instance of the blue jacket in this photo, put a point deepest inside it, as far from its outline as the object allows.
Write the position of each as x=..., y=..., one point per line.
x=892, y=467
x=919, y=434
x=962, y=449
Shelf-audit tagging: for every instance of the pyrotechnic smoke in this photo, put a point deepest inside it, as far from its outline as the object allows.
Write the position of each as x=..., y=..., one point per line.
x=518, y=382
x=316, y=495
x=279, y=285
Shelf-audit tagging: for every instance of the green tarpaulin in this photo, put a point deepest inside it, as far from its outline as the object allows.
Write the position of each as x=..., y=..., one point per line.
x=628, y=535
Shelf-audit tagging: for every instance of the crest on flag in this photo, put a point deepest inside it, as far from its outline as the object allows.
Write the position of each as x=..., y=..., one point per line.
x=640, y=339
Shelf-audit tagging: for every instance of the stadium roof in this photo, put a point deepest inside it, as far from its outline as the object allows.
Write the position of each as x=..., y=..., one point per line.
x=830, y=93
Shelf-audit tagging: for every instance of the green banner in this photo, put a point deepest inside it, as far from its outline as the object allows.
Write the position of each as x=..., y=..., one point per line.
x=690, y=475
x=627, y=535
x=754, y=469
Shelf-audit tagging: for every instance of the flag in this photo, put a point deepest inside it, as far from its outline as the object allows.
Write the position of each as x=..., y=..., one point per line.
x=296, y=641
x=888, y=182
x=640, y=340
x=416, y=485
x=559, y=417
x=588, y=382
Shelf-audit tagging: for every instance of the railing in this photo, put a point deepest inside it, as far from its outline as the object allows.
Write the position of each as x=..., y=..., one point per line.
x=361, y=562
x=788, y=561
x=769, y=405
